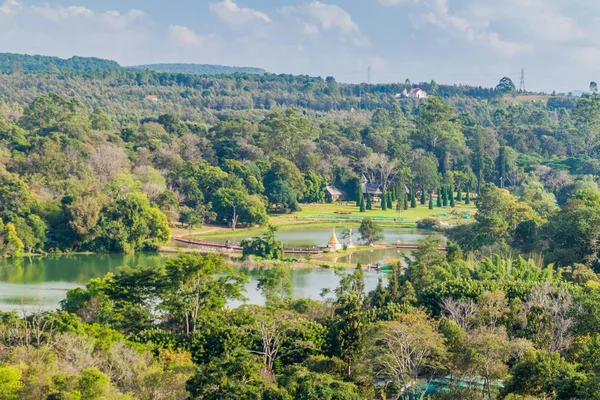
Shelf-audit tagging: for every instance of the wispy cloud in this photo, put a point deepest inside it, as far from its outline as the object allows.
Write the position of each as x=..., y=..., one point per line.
x=317, y=17
x=230, y=13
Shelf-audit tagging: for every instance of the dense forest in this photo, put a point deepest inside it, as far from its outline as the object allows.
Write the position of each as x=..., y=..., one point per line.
x=510, y=311
x=199, y=69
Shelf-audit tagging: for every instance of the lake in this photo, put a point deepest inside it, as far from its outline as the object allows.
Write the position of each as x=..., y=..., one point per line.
x=25, y=283
x=296, y=236
x=30, y=281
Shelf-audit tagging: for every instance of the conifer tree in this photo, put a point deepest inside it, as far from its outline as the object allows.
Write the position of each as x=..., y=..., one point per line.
x=359, y=194
x=369, y=205
x=452, y=204
x=431, y=201
x=458, y=194
x=362, y=204
x=467, y=197
x=413, y=200
x=444, y=197
x=405, y=200
x=390, y=201
x=384, y=201
x=439, y=199
x=423, y=198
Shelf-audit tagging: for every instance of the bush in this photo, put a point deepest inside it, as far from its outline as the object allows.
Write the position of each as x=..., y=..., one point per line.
x=428, y=223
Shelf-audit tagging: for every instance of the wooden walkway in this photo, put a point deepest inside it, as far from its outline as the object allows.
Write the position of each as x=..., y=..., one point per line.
x=236, y=247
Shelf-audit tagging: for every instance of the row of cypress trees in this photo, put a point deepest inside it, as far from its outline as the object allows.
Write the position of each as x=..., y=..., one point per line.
x=445, y=198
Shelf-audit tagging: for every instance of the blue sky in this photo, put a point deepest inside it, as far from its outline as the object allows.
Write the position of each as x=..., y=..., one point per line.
x=557, y=42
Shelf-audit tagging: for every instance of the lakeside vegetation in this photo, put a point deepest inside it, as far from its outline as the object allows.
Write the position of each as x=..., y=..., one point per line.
x=510, y=311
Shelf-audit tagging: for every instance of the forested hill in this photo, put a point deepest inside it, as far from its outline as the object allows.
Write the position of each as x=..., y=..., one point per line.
x=129, y=95
x=27, y=63
x=199, y=69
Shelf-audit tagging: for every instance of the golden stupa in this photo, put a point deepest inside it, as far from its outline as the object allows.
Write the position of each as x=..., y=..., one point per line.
x=334, y=243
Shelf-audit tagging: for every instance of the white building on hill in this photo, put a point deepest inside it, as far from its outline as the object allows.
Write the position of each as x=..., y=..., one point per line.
x=415, y=93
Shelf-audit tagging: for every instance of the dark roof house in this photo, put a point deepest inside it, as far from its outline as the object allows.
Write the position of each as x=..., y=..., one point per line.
x=334, y=193
x=374, y=189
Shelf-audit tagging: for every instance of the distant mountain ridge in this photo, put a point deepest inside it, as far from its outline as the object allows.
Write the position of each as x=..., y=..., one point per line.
x=200, y=69
x=37, y=63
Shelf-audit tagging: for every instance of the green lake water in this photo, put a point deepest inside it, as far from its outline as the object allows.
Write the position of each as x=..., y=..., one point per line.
x=27, y=282
x=298, y=237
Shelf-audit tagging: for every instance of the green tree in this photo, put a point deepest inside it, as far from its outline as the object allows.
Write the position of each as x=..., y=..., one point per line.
x=435, y=125
x=283, y=197
x=384, y=201
x=506, y=86
x=350, y=328
x=129, y=225
x=94, y=384
x=10, y=382
x=431, y=201
x=369, y=205
x=267, y=247
x=234, y=206
x=537, y=374
x=315, y=188
x=413, y=200
x=275, y=284
x=100, y=121
x=370, y=231
x=196, y=285
x=394, y=348
x=10, y=244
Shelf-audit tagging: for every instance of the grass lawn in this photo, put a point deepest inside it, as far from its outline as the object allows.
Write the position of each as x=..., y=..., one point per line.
x=328, y=211
x=315, y=215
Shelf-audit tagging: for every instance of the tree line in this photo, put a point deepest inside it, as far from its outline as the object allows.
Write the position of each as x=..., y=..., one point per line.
x=451, y=326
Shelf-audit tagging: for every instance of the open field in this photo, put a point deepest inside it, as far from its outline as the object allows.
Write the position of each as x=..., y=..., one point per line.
x=527, y=98
x=315, y=215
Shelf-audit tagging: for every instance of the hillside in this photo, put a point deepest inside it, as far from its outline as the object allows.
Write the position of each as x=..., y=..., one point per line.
x=123, y=93
x=199, y=69
x=110, y=160
x=27, y=63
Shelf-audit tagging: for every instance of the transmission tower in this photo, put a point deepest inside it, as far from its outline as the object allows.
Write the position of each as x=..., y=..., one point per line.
x=522, y=86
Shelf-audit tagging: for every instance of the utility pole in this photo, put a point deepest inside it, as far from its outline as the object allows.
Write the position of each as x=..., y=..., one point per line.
x=522, y=88
x=369, y=75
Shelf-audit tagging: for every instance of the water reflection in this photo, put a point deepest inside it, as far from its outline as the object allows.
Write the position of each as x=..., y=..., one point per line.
x=299, y=237
x=28, y=282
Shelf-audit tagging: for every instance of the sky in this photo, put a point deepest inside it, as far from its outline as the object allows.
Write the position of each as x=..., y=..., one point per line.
x=477, y=42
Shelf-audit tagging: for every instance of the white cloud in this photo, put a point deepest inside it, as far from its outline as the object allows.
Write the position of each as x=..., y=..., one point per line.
x=505, y=47
x=9, y=7
x=232, y=14
x=317, y=17
x=331, y=16
x=77, y=30
x=310, y=29
x=184, y=36
x=61, y=13
x=392, y=3
x=474, y=30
